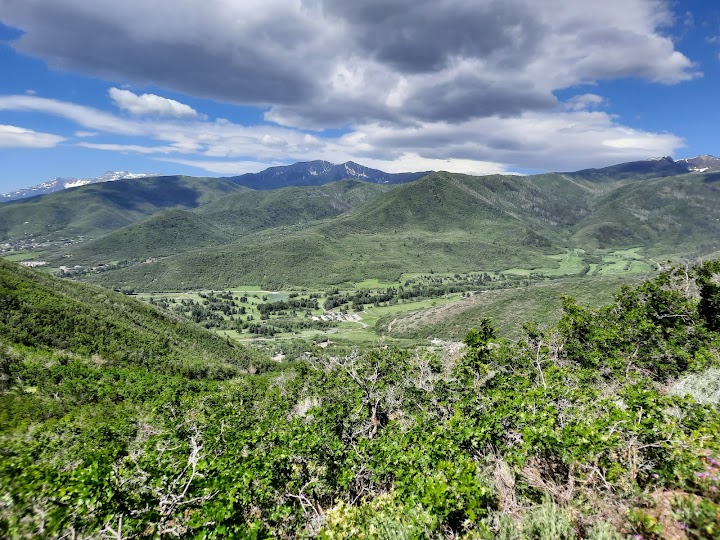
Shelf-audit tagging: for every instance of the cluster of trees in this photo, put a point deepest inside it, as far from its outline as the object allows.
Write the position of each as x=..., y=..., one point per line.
x=571, y=432
x=222, y=310
x=292, y=304
x=424, y=287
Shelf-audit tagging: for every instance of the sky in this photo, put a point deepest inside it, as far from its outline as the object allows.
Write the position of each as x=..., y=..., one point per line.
x=222, y=87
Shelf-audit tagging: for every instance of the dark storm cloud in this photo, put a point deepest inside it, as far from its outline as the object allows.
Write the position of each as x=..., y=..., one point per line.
x=420, y=37
x=468, y=97
x=233, y=69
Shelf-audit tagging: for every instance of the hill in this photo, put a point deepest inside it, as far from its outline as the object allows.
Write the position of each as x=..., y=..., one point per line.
x=453, y=223
x=224, y=220
x=160, y=235
x=443, y=222
x=315, y=173
x=352, y=230
x=250, y=211
x=69, y=320
x=92, y=210
x=666, y=216
x=508, y=308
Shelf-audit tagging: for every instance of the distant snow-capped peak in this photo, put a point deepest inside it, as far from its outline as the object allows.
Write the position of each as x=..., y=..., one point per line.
x=60, y=183
x=703, y=163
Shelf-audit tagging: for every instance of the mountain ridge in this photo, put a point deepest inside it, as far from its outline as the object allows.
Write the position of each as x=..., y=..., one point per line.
x=313, y=173
x=320, y=172
x=62, y=183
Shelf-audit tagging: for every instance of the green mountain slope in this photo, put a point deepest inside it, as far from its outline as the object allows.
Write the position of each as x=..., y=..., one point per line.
x=255, y=210
x=674, y=215
x=224, y=221
x=160, y=235
x=75, y=319
x=508, y=308
x=95, y=209
x=444, y=201
x=443, y=222
x=350, y=230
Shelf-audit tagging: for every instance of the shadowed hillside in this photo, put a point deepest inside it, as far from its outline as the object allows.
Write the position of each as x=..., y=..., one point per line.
x=93, y=210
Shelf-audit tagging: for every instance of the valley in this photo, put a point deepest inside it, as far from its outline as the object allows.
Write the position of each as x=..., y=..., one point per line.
x=420, y=307
x=409, y=259
x=392, y=354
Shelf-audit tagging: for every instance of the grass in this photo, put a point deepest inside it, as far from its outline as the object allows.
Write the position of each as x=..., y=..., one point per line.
x=19, y=256
x=571, y=262
x=507, y=308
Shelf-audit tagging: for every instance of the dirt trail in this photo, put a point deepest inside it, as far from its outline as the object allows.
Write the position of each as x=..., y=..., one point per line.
x=391, y=324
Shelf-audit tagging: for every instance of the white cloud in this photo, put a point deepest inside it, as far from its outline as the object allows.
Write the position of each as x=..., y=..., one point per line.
x=411, y=161
x=85, y=134
x=129, y=148
x=330, y=63
x=544, y=141
x=552, y=140
x=150, y=104
x=84, y=116
x=17, y=137
x=230, y=168
x=584, y=102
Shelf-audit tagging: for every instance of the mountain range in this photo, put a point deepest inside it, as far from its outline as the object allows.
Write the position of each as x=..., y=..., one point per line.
x=310, y=173
x=169, y=233
x=315, y=173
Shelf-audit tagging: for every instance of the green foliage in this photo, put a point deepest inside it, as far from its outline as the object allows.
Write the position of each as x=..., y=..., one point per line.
x=709, y=284
x=539, y=438
x=700, y=520
x=380, y=517
x=652, y=327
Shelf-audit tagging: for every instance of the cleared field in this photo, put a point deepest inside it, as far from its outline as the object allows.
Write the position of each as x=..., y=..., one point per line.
x=18, y=256
x=507, y=308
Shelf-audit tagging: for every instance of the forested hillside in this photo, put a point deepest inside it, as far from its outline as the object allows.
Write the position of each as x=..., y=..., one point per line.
x=442, y=222
x=179, y=233
x=603, y=426
x=226, y=220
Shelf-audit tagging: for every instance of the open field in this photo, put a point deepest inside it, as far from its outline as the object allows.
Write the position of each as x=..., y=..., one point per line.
x=507, y=308
x=19, y=256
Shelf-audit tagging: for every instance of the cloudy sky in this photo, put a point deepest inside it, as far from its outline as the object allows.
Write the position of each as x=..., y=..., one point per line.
x=222, y=87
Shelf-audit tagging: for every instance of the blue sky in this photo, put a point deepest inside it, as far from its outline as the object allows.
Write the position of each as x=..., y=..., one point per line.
x=223, y=88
